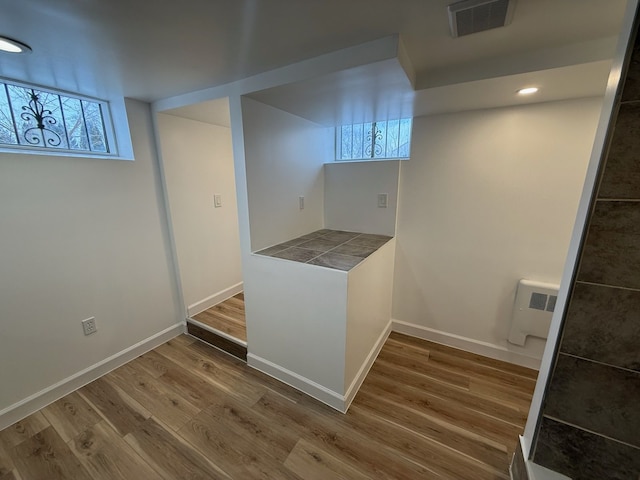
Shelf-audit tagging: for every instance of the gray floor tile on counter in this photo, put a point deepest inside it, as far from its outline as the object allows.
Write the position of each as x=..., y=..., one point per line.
x=337, y=261
x=582, y=455
x=339, y=236
x=309, y=236
x=366, y=240
x=596, y=397
x=297, y=254
x=319, y=244
x=328, y=248
x=354, y=250
x=292, y=243
x=271, y=250
x=375, y=236
x=602, y=324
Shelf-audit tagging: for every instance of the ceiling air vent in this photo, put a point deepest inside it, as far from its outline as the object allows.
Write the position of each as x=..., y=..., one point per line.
x=473, y=16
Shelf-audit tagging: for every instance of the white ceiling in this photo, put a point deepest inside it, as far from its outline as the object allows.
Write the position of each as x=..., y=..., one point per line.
x=153, y=50
x=370, y=92
x=381, y=91
x=215, y=112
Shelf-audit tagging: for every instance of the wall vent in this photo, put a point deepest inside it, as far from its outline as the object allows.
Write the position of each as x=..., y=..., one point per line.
x=473, y=16
x=532, y=310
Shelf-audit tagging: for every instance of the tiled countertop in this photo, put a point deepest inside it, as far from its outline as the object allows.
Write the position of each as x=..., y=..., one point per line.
x=328, y=248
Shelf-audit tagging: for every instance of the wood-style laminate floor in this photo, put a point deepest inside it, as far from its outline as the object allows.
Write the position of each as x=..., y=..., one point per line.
x=227, y=317
x=188, y=411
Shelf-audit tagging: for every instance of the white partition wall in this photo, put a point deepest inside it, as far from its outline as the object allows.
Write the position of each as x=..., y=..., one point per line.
x=319, y=329
x=312, y=327
x=198, y=164
x=296, y=325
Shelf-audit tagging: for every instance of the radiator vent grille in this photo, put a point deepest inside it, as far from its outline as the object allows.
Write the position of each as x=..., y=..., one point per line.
x=473, y=16
x=540, y=301
x=532, y=310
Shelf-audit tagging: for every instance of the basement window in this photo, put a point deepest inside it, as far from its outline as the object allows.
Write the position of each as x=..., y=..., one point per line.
x=42, y=121
x=374, y=140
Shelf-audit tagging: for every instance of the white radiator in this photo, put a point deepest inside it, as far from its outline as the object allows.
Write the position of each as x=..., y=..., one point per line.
x=532, y=310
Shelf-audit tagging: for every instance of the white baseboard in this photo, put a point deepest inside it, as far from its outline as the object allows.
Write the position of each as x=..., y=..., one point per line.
x=214, y=299
x=311, y=388
x=33, y=403
x=366, y=366
x=486, y=349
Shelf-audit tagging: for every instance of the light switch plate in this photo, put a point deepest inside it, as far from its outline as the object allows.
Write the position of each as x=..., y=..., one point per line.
x=301, y=202
x=382, y=200
x=217, y=201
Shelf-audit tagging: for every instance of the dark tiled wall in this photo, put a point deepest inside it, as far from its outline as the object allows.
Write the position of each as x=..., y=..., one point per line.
x=590, y=427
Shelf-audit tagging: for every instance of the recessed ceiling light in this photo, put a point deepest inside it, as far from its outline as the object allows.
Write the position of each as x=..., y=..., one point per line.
x=13, y=46
x=527, y=91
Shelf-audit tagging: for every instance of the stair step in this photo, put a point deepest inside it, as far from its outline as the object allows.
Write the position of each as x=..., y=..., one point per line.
x=216, y=339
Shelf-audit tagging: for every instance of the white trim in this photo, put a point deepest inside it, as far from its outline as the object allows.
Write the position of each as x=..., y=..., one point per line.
x=311, y=388
x=41, y=399
x=214, y=299
x=366, y=366
x=220, y=333
x=478, y=347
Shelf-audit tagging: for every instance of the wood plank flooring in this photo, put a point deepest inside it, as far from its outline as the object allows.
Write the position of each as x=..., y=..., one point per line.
x=227, y=317
x=188, y=411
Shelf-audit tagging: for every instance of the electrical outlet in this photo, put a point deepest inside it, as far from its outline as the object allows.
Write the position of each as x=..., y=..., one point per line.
x=89, y=326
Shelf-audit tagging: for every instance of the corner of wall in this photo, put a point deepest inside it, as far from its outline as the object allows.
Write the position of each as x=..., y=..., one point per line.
x=33, y=403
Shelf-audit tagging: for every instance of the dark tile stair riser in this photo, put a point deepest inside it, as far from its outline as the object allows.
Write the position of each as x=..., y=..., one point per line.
x=621, y=177
x=218, y=341
x=631, y=90
x=602, y=325
x=579, y=454
x=611, y=255
x=596, y=397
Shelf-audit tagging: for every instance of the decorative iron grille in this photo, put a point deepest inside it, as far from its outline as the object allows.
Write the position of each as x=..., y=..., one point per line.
x=32, y=117
x=382, y=139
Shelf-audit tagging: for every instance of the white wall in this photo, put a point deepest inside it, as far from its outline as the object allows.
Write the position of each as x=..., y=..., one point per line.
x=296, y=319
x=284, y=157
x=368, y=308
x=198, y=163
x=487, y=198
x=351, y=196
x=80, y=237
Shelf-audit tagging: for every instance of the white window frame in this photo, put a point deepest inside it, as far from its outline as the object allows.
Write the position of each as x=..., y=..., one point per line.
x=371, y=157
x=107, y=121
